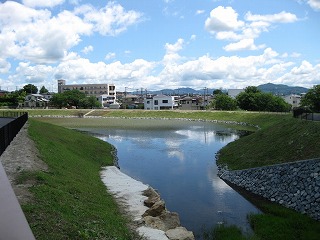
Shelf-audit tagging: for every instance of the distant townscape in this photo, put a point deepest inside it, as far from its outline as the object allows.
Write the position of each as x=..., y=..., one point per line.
x=267, y=97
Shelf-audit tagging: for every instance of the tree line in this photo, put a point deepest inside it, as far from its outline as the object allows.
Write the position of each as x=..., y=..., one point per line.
x=253, y=99
x=72, y=98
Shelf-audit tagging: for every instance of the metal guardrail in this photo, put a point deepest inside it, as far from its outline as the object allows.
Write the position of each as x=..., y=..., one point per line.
x=10, y=130
x=13, y=223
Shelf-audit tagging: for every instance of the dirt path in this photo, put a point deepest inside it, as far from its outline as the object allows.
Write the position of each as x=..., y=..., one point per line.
x=21, y=155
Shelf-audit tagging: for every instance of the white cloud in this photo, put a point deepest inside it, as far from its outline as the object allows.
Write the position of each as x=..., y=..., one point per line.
x=110, y=20
x=305, y=75
x=110, y=55
x=42, y=3
x=87, y=49
x=243, y=44
x=172, y=48
x=315, y=4
x=223, y=19
x=283, y=17
x=37, y=36
x=4, y=66
x=198, y=12
x=26, y=73
x=223, y=23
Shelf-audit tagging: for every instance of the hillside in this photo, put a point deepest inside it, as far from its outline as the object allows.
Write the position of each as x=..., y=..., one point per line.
x=277, y=89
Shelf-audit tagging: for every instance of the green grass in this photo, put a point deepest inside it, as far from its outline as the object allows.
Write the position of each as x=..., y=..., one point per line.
x=279, y=223
x=223, y=232
x=70, y=200
x=285, y=141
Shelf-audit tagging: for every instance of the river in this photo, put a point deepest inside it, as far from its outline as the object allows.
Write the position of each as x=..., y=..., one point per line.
x=177, y=158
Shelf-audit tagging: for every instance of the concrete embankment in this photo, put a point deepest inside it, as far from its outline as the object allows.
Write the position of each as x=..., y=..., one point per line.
x=294, y=185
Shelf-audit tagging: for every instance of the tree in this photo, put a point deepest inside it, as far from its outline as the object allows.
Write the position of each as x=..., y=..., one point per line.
x=30, y=89
x=224, y=102
x=252, y=99
x=217, y=91
x=74, y=98
x=43, y=90
x=89, y=102
x=312, y=99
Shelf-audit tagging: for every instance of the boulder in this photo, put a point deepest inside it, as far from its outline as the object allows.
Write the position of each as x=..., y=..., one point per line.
x=164, y=222
x=179, y=233
x=152, y=195
x=156, y=210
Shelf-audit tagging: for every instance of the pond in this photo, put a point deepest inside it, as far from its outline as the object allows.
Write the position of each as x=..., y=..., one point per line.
x=177, y=158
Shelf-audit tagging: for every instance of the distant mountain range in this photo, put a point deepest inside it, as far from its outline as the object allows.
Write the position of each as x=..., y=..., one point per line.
x=277, y=89
x=280, y=89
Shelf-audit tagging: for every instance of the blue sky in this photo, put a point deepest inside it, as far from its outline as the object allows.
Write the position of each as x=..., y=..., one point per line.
x=157, y=44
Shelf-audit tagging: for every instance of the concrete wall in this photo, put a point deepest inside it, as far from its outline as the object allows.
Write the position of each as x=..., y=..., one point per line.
x=294, y=185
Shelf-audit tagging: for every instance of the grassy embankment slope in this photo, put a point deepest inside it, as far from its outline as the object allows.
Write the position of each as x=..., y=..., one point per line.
x=70, y=200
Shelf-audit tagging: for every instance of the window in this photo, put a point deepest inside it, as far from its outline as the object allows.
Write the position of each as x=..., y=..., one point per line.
x=148, y=102
x=165, y=101
x=155, y=102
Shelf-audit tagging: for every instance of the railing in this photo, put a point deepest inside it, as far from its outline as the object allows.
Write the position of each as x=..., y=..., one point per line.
x=306, y=114
x=13, y=223
x=10, y=130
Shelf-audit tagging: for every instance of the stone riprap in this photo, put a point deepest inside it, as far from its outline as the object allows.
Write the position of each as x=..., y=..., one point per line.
x=294, y=185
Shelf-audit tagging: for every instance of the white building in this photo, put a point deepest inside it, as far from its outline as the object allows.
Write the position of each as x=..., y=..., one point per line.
x=161, y=102
x=106, y=100
x=89, y=89
x=293, y=99
x=234, y=92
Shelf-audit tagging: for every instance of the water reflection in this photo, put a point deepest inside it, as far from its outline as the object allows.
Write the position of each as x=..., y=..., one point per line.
x=179, y=163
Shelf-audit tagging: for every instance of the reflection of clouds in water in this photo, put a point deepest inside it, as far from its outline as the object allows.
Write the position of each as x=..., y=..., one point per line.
x=204, y=135
x=115, y=138
x=173, y=149
x=221, y=189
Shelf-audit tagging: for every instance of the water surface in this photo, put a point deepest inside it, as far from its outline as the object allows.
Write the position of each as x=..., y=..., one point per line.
x=178, y=159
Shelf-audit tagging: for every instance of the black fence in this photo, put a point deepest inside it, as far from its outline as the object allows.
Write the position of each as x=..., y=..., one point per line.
x=306, y=114
x=10, y=130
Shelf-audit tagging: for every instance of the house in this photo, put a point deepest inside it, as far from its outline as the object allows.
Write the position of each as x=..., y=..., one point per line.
x=293, y=99
x=161, y=102
x=35, y=101
x=191, y=103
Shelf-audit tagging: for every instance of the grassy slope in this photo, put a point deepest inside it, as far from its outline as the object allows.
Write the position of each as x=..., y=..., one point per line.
x=71, y=202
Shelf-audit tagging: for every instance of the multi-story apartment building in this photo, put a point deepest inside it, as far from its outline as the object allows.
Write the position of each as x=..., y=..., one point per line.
x=105, y=93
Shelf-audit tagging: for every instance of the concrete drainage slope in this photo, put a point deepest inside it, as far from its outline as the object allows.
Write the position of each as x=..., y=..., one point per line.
x=294, y=185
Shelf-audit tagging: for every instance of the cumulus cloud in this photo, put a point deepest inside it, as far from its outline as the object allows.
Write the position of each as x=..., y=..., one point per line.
x=243, y=44
x=37, y=36
x=305, y=75
x=4, y=66
x=223, y=19
x=224, y=24
x=109, y=20
x=110, y=55
x=315, y=4
x=87, y=49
